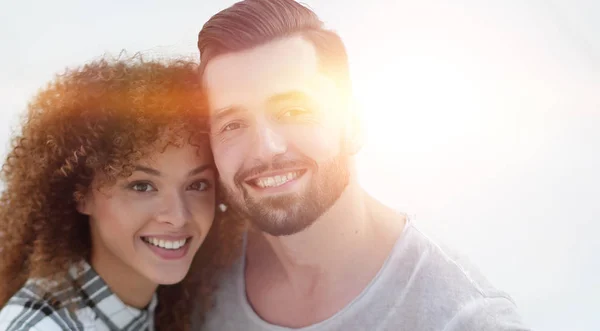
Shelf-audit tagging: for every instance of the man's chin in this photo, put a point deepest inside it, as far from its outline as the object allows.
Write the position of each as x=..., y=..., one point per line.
x=282, y=220
x=279, y=229
x=285, y=204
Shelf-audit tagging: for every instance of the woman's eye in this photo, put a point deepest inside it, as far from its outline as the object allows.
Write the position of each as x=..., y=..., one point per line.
x=199, y=186
x=142, y=187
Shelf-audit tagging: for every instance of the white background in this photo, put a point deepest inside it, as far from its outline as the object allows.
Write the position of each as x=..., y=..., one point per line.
x=482, y=119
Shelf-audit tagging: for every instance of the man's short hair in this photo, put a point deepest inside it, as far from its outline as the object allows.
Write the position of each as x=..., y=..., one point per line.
x=251, y=23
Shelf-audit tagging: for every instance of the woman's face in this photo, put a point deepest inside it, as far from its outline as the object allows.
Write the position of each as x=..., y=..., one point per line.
x=153, y=222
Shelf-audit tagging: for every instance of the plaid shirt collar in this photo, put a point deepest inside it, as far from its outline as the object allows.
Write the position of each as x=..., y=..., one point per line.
x=106, y=306
x=86, y=304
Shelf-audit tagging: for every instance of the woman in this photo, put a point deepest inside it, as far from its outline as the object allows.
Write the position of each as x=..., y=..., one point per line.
x=110, y=192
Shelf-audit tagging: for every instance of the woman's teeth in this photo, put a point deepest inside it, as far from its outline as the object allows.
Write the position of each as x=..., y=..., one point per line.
x=166, y=244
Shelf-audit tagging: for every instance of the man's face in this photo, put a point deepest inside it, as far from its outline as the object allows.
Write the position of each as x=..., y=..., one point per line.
x=278, y=134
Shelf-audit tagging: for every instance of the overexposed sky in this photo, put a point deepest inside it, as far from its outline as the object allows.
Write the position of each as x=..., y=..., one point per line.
x=482, y=118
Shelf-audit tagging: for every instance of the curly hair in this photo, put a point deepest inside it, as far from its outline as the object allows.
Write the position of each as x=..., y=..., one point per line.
x=101, y=118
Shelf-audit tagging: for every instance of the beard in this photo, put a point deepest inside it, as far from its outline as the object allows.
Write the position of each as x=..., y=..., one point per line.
x=290, y=213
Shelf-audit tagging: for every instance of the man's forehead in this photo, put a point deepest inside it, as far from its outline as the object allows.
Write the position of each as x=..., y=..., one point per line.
x=286, y=64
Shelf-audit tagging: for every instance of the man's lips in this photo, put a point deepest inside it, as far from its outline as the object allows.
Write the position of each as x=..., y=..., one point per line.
x=275, y=178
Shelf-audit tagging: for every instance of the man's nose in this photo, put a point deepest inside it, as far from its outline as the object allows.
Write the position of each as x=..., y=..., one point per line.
x=269, y=143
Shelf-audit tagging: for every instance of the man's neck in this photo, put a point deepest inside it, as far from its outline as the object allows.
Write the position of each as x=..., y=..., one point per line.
x=331, y=261
x=346, y=228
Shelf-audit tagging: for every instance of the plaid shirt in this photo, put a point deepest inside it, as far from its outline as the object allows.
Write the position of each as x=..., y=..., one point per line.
x=94, y=307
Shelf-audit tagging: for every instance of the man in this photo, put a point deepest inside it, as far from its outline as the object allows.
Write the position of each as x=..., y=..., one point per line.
x=321, y=253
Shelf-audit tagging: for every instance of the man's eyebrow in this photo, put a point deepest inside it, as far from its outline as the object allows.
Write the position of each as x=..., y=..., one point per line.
x=219, y=114
x=147, y=170
x=289, y=95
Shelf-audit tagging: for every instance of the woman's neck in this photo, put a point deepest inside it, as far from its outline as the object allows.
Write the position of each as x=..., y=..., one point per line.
x=128, y=285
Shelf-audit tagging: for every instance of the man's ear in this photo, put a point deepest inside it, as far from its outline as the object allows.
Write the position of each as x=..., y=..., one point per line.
x=82, y=204
x=354, y=128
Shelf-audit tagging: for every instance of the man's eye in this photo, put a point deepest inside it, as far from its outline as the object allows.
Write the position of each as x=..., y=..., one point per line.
x=231, y=127
x=293, y=112
x=201, y=185
x=142, y=187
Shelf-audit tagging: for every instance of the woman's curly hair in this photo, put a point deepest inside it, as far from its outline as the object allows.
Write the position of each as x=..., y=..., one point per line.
x=101, y=118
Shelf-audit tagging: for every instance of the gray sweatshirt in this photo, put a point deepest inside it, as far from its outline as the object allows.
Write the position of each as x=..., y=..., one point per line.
x=420, y=287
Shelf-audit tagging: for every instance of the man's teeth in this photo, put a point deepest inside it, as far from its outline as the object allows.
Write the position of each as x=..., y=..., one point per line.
x=275, y=181
x=166, y=244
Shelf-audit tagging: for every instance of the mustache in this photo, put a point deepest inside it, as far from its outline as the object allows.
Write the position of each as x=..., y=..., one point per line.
x=276, y=164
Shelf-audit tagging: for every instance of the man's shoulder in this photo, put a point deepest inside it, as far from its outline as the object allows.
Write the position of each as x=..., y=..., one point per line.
x=445, y=287
x=442, y=267
x=225, y=305
x=32, y=308
x=448, y=262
